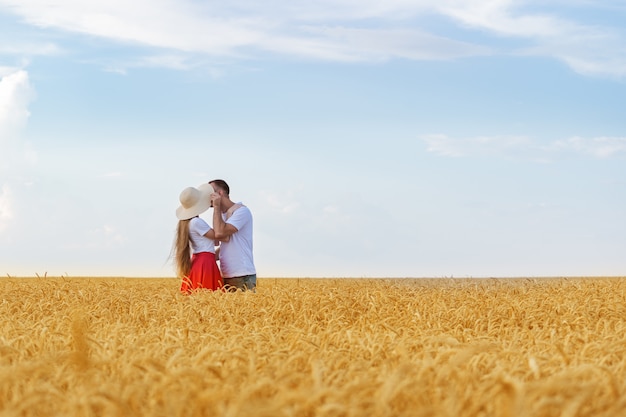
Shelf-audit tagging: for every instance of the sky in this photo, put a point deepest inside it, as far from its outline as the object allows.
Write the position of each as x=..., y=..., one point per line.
x=396, y=138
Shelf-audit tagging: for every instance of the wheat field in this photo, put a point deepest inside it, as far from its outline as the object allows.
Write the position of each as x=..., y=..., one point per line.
x=314, y=347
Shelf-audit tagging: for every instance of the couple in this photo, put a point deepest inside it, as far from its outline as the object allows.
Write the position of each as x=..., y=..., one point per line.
x=195, y=251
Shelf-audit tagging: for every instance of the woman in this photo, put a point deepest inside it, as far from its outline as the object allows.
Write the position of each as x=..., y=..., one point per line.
x=194, y=244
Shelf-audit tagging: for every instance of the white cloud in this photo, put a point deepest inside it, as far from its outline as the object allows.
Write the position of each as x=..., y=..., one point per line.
x=442, y=145
x=356, y=44
x=16, y=94
x=479, y=145
x=329, y=30
x=174, y=61
x=6, y=206
x=586, y=48
x=26, y=48
x=284, y=204
x=340, y=30
x=184, y=26
x=504, y=17
x=597, y=147
x=334, y=10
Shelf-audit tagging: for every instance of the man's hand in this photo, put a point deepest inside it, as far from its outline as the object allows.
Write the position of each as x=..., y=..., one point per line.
x=216, y=200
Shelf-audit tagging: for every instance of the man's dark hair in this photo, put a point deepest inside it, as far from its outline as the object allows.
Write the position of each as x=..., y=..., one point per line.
x=221, y=184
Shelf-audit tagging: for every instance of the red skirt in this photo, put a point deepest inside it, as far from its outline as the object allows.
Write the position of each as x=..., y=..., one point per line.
x=204, y=273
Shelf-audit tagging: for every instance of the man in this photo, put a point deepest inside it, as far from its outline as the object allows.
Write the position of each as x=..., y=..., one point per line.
x=233, y=226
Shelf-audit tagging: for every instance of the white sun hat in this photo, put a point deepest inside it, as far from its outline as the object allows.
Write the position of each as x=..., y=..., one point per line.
x=194, y=201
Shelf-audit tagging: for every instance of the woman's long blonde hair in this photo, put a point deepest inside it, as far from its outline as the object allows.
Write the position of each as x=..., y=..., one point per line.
x=182, y=250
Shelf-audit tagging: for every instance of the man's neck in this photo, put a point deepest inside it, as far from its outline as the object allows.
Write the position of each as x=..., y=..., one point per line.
x=226, y=204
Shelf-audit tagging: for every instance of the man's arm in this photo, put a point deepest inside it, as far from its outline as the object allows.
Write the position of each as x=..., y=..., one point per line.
x=213, y=236
x=223, y=230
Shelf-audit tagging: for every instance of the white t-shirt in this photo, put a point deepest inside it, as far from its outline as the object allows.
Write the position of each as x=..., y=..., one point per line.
x=236, y=259
x=200, y=243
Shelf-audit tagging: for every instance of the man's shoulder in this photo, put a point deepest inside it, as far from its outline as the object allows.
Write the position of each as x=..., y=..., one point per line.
x=241, y=214
x=242, y=207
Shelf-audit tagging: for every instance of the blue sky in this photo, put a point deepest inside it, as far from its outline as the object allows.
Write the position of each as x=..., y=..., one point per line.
x=369, y=139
